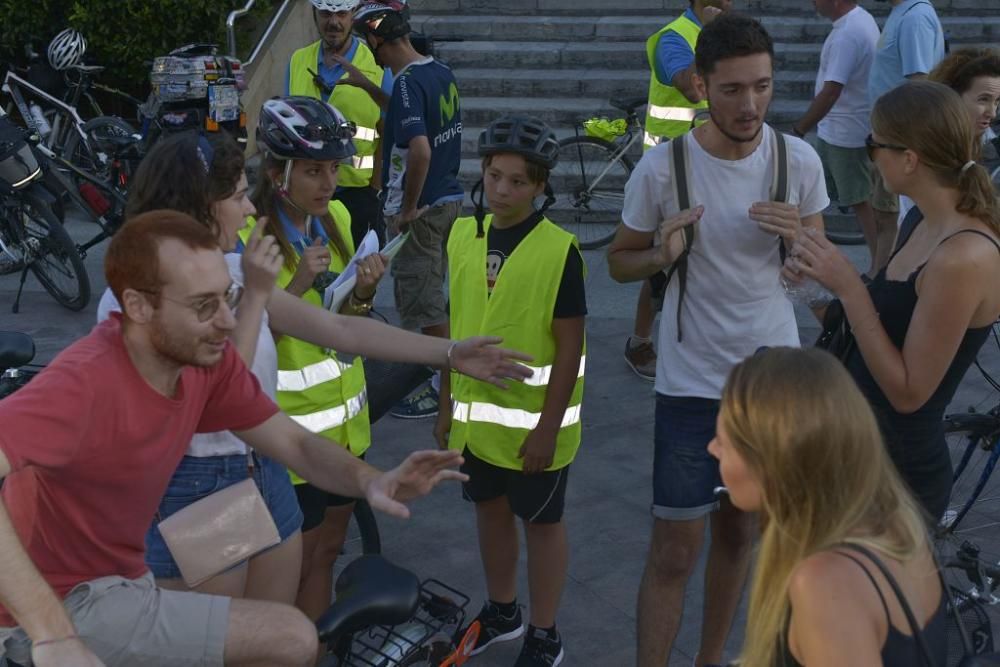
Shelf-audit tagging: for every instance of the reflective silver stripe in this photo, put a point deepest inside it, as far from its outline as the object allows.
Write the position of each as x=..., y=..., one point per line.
x=671, y=113
x=322, y=420
x=542, y=374
x=311, y=375
x=651, y=140
x=366, y=162
x=507, y=417
x=366, y=134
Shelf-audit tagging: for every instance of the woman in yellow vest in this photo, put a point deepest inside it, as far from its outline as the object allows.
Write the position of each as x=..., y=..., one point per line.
x=517, y=275
x=305, y=139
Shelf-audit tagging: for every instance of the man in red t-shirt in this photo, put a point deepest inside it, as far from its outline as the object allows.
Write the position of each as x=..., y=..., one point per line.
x=87, y=450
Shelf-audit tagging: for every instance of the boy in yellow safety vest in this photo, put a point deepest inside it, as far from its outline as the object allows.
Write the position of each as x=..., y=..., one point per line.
x=516, y=274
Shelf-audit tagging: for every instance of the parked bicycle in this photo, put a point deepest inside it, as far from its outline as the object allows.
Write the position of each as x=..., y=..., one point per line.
x=31, y=236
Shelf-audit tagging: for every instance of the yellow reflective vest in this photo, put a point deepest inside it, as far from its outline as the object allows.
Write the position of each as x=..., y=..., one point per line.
x=494, y=422
x=315, y=388
x=669, y=114
x=356, y=105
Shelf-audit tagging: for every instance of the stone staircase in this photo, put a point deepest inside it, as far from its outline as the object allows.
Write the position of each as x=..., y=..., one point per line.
x=562, y=60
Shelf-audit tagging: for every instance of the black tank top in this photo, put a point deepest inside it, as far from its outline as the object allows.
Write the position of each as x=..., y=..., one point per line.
x=915, y=441
x=899, y=650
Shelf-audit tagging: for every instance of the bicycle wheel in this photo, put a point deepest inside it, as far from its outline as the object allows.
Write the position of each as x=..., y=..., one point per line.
x=589, y=189
x=972, y=442
x=94, y=156
x=51, y=253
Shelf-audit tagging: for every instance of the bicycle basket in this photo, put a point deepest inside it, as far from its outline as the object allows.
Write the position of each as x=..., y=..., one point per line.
x=18, y=165
x=429, y=634
x=604, y=128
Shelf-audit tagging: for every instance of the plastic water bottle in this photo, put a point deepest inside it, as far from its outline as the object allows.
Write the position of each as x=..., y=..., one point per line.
x=807, y=292
x=41, y=124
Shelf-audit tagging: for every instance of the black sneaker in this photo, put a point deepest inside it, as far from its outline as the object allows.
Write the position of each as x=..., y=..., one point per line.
x=540, y=650
x=496, y=628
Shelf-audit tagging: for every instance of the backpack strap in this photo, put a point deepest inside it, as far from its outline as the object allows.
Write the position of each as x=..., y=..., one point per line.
x=780, y=183
x=680, y=179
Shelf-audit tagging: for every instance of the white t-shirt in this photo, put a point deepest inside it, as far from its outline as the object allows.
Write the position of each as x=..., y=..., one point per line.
x=734, y=302
x=265, y=367
x=847, y=59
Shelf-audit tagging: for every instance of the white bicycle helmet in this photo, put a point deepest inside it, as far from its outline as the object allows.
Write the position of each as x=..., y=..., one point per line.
x=66, y=49
x=335, y=5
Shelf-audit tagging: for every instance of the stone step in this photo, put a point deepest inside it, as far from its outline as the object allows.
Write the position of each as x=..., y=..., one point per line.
x=670, y=8
x=565, y=112
x=589, y=55
x=794, y=29
x=607, y=84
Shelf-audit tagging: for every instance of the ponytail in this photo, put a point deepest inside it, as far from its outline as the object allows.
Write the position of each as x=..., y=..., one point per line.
x=977, y=198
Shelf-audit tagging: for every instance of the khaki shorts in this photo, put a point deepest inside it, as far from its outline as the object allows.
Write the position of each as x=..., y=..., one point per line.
x=130, y=622
x=848, y=172
x=420, y=267
x=882, y=199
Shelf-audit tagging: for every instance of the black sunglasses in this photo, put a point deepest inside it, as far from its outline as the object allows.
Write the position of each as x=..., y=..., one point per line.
x=871, y=145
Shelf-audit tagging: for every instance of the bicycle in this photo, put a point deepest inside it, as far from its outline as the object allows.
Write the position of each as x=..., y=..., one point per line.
x=384, y=616
x=590, y=175
x=17, y=350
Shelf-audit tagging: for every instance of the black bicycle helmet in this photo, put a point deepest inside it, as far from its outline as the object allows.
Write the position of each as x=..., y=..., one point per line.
x=304, y=128
x=525, y=135
x=388, y=19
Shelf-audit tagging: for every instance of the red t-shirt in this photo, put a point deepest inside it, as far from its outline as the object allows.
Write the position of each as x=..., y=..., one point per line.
x=92, y=447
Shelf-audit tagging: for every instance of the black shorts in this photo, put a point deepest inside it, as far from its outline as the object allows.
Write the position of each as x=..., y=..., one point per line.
x=366, y=212
x=313, y=501
x=538, y=498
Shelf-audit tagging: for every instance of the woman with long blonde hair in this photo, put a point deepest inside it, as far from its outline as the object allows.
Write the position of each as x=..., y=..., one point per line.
x=798, y=443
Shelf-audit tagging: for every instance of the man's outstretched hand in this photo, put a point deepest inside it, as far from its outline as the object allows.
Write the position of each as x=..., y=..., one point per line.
x=480, y=358
x=414, y=477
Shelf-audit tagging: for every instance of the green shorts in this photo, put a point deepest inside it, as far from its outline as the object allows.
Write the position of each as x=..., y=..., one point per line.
x=882, y=199
x=848, y=172
x=418, y=270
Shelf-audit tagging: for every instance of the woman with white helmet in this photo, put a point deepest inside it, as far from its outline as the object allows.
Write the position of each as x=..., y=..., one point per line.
x=66, y=49
x=304, y=140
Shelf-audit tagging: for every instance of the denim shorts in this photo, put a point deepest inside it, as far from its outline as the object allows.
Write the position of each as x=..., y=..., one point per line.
x=684, y=473
x=199, y=476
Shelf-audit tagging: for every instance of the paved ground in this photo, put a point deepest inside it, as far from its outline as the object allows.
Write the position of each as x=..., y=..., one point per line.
x=609, y=492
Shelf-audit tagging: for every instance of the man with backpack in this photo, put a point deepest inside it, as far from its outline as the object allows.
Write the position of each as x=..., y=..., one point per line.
x=718, y=202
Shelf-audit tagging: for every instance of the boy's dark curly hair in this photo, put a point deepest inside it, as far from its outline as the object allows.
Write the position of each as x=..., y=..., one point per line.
x=730, y=36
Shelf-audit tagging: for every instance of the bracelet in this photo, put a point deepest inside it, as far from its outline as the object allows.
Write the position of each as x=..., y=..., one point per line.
x=450, y=348
x=360, y=306
x=57, y=640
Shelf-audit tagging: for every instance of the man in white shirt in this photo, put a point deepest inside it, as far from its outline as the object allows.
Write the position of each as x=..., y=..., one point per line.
x=840, y=113
x=733, y=305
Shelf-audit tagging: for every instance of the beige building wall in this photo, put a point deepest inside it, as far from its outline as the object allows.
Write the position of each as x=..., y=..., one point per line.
x=266, y=73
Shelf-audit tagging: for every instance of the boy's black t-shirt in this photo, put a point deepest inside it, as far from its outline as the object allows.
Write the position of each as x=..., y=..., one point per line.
x=571, y=299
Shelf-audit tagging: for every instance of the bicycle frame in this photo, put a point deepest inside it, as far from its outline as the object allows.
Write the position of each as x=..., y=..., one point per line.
x=22, y=106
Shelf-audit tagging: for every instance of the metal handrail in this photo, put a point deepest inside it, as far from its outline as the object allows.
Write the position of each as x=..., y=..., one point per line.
x=231, y=22
x=267, y=33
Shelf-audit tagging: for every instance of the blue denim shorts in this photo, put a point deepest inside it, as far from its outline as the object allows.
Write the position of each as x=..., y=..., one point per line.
x=684, y=473
x=199, y=476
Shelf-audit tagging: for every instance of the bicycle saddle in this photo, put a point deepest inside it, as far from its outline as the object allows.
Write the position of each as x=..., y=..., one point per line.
x=16, y=349
x=370, y=591
x=629, y=104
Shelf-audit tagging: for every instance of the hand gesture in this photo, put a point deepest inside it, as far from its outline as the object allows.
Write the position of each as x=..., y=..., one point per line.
x=671, y=226
x=261, y=260
x=399, y=223
x=709, y=14
x=478, y=357
x=538, y=450
x=370, y=270
x=314, y=261
x=415, y=476
x=68, y=653
x=777, y=218
x=352, y=75
x=813, y=256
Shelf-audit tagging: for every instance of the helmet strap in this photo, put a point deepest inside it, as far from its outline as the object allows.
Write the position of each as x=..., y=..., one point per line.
x=479, y=211
x=283, y=192
x=550, y=198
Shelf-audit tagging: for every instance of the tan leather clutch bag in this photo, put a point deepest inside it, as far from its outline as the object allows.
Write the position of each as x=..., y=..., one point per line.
x=219, y=532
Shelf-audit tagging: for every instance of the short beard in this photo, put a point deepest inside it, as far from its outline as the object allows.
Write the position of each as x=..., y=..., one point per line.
x=173, y=350
x=733, y=137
